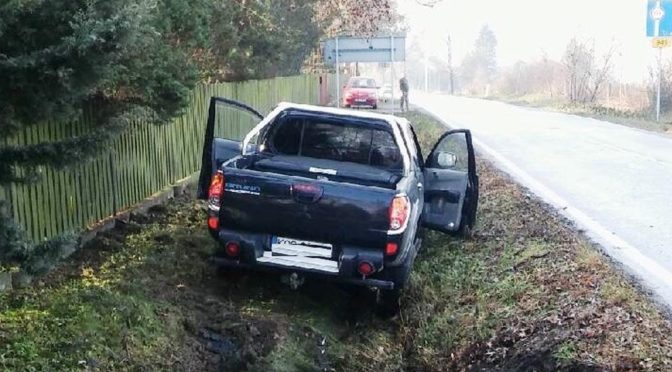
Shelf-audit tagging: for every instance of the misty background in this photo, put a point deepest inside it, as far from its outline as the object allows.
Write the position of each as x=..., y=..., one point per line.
x=543, y=53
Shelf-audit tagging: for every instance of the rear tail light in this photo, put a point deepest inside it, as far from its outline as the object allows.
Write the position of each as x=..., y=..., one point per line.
x=232, y=249
x=391, y=249
x=216, y=191
x=399, y=213
x=213, y=222
x=365, y=268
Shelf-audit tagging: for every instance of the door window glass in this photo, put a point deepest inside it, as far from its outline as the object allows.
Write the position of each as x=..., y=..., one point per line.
x=454, y=144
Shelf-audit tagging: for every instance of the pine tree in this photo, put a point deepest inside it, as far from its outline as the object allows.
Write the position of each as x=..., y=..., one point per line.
x=479, y=67
x=58, y=57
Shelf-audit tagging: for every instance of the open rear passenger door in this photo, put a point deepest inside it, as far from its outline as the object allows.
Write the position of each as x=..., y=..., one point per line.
x=228, y=122
x=451, y=184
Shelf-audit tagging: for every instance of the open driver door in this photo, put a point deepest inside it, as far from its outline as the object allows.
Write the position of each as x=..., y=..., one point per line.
x=228, y=121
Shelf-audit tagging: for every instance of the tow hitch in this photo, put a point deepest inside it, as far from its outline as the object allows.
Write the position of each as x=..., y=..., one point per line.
x=294, y=280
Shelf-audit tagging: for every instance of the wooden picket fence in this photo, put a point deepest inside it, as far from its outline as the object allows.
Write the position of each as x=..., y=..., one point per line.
x=144, y=160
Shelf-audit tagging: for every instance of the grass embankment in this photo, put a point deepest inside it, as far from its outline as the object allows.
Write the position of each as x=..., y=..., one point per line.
x=525, y=293
x=630, y=118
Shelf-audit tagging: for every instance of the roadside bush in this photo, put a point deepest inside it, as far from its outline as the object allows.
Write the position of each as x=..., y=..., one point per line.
x=18, y=252
x=600, y=110
x=14, y=247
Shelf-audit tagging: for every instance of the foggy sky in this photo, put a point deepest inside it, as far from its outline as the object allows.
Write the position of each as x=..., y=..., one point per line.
x=526, y=29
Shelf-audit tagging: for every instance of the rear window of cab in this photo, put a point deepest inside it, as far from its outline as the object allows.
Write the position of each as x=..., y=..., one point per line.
x=331, y=140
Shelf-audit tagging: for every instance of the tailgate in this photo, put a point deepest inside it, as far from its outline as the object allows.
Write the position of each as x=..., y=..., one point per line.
x=297, y=207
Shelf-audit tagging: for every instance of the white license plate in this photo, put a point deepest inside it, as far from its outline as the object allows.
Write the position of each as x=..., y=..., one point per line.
x=360, y=100
x=302, y=248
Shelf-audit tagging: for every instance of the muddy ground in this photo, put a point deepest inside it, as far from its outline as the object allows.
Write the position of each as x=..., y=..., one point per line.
x=527, y=292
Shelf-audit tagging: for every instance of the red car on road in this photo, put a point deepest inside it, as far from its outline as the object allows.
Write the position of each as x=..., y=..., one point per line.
x=361, y=92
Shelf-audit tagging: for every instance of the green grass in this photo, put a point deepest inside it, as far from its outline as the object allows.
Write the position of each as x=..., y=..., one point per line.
x=527, y=292
x=97, y=313
x=85, y=324
x=566, y=352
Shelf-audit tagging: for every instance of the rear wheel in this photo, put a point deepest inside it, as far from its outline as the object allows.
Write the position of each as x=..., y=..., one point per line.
x=400, y=274
x=230, y=276
x=387, y=302
x=466, y=232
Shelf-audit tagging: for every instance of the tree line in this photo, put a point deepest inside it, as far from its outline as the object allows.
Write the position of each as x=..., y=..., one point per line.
x=581, y=76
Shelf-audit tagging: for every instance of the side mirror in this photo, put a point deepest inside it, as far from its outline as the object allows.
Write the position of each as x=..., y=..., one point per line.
x=251, y=148
x=446, y=160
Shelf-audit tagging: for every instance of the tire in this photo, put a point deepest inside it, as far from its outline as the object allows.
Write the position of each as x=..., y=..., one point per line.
x=229, y=275
x=375, y=107
x=420, y=235
x=387, y=302
x=466, y=232
x=400, y=274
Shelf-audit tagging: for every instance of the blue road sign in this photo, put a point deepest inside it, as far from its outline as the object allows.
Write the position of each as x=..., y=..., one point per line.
x=659, y=18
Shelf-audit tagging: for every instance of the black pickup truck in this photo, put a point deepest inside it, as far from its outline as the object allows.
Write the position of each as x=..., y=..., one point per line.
x=339, y=194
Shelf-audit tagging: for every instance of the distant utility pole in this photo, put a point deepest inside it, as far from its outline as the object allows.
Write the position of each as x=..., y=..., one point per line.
x=450, y=65
x=426, y=74
x=338, y=77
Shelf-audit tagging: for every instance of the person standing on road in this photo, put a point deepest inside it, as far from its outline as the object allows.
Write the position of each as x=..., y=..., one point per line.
x=403, y=86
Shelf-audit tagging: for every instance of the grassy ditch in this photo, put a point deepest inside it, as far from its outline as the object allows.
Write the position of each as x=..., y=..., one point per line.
x=526, y=293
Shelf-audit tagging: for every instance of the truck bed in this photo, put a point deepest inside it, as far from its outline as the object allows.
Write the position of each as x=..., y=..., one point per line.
x=307, y=200
x=336, y=171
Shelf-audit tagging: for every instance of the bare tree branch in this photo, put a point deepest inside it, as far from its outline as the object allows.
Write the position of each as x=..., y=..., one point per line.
x=428, y=3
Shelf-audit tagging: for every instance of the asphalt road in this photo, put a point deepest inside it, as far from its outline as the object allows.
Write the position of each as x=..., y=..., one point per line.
x=615, y=182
